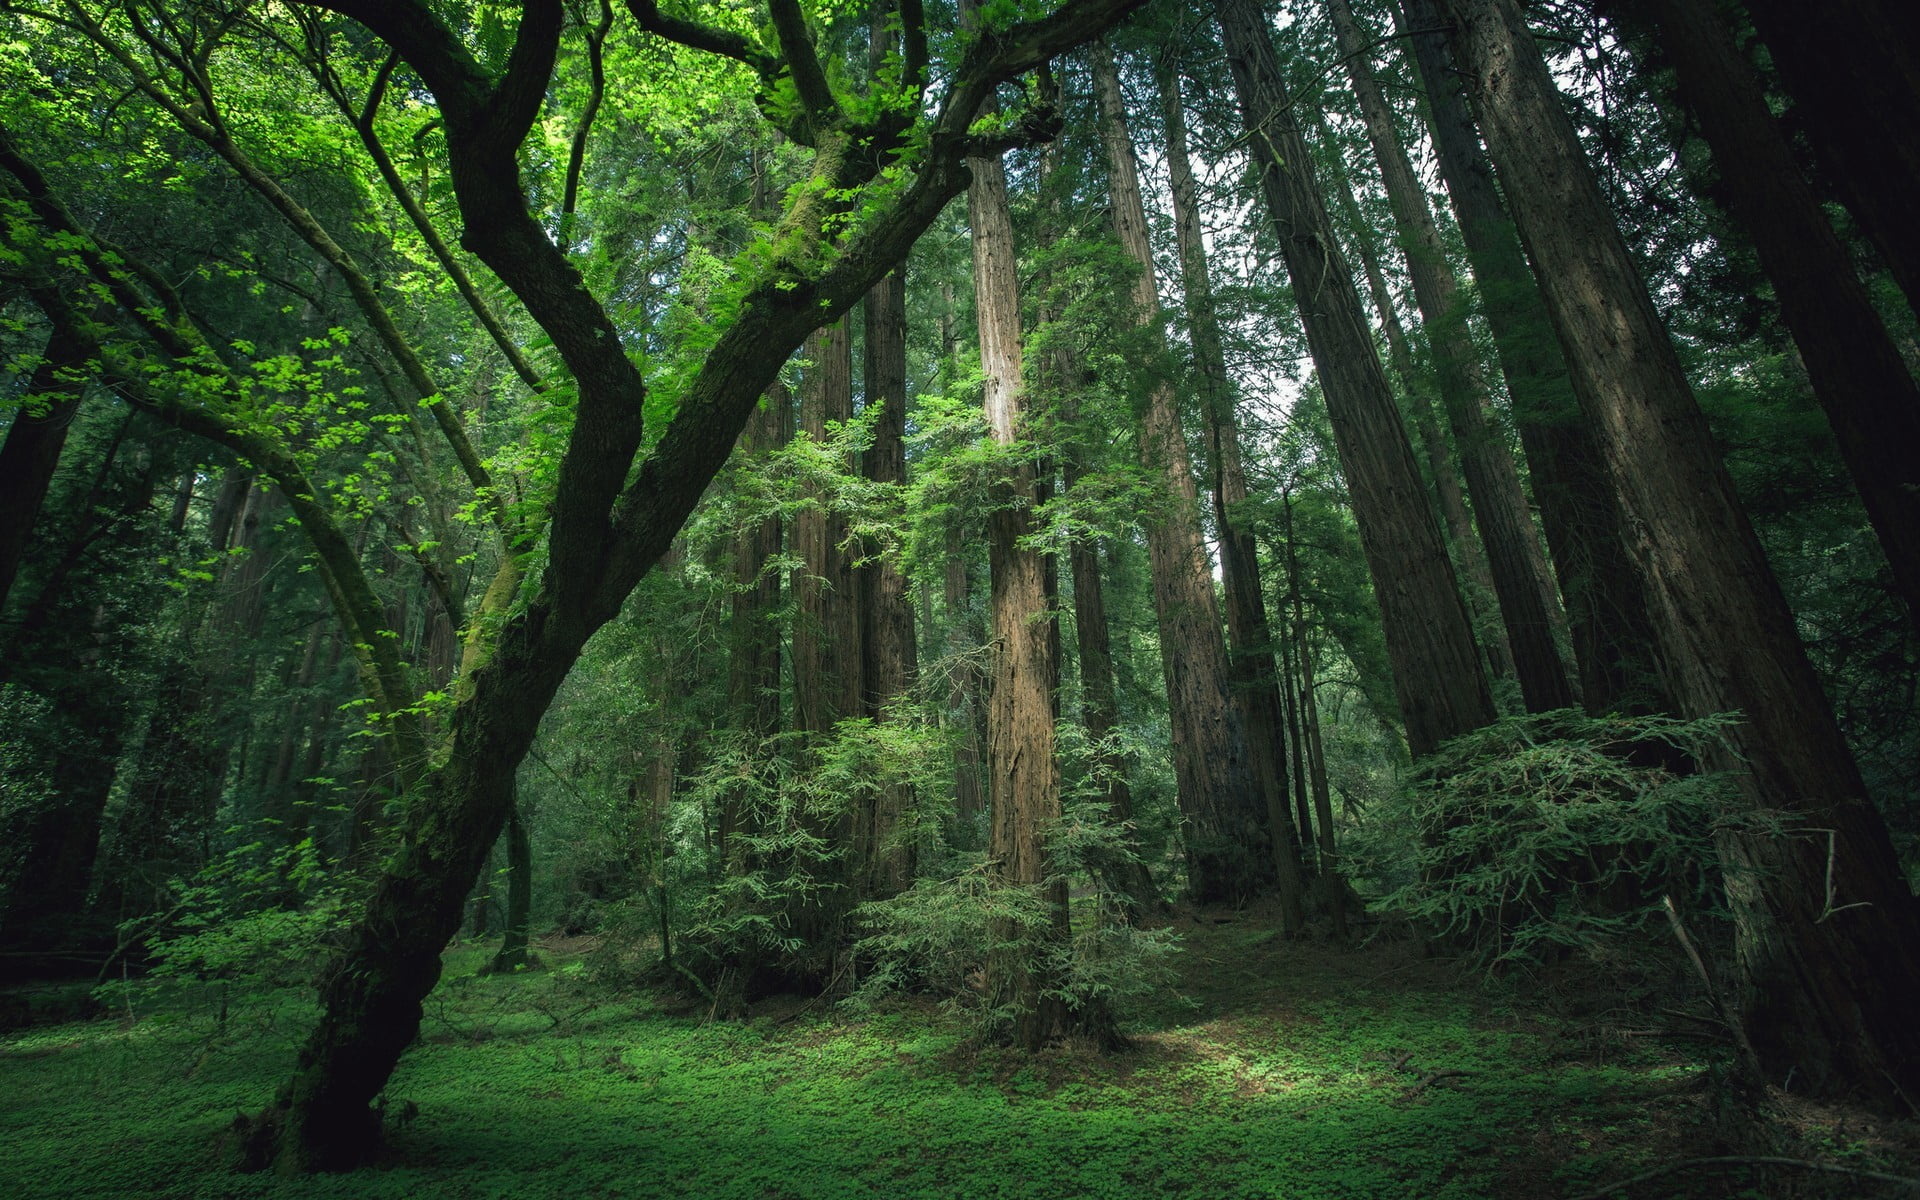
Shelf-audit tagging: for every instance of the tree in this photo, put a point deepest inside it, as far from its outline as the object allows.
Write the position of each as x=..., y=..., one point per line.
x=1825, y=922
x=1441, y=690
x=1229, y=803
x=1519, y=567
x=1251, y=666
x=620, y=489
x=1606, y=607
x=1857, y=372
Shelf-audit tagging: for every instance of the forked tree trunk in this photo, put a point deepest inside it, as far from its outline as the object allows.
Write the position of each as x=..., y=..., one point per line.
x=1519, y=566
x=1223, y=798
x=1825, y=924
x=1023, y=774
x=1441, y=690
x=1606, y=605
x=1251, y=664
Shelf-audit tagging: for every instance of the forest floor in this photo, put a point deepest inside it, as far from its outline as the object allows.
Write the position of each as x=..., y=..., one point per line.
x=1278, y=1069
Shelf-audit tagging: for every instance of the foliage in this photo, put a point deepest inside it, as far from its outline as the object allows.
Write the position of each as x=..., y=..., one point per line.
x=259, y=916
x=536, y=1086
x=948, y=934
x=1552, y=830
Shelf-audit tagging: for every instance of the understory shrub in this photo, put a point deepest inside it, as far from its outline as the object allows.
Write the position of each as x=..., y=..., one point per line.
x=1551, y=831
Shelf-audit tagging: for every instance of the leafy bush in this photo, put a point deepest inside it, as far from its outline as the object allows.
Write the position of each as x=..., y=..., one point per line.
x=941, y=935
x=258, y=916
x=1551, y=830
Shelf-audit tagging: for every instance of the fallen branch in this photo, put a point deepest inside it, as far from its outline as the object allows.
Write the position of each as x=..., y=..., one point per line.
x=1433, y=1077
x=1748, y=1161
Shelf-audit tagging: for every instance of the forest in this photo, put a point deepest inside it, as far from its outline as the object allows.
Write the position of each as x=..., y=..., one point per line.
x=1019, y=598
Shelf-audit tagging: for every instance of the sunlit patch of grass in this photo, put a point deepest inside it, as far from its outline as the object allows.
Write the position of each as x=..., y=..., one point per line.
x=1290, y=1076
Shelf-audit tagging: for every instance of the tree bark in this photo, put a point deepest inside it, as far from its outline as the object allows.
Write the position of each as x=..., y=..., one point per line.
x=1519, y=567
x=890, y=660
x=1853, y=71
x=1441, y=690
x=1825, y=923
x=1857, y=372
x=1606, y=605
x=1224, y=800
x=32, y=447
x=1251, y=662
x=1469, y=556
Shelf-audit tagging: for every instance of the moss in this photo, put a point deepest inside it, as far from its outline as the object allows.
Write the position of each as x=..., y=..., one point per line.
x=534, y=1085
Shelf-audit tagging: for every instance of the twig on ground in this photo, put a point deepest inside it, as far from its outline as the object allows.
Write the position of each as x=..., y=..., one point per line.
x=1433, y=1077
x=1747, y=1161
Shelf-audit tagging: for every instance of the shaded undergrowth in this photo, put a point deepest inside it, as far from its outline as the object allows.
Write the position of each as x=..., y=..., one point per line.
x=1278, y=1070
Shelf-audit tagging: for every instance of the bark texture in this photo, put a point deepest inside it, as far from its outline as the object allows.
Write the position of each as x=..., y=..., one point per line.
x=1023, y=772
x=1223, y=799
x=1437, y=678
x=1519, y=566
x=1825, y=922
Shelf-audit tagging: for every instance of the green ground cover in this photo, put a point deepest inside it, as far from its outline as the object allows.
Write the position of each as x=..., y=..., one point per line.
x=1278, y=1070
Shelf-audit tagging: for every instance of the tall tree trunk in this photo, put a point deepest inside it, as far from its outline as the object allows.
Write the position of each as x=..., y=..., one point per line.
x=32, y=447
x=890, y=661
x=1825, y=923
x=1222, y=797
x=1251, y=663
x=753, y=659
x=512, y=954
x=1857, y=372
x=1023, y=774
x=826, y=634
x=1469, y=556
x=1441, y=690
x=1853, y=70
x=1520, y=579
x=1606, y=604
x=965, y=712
x=826, y=643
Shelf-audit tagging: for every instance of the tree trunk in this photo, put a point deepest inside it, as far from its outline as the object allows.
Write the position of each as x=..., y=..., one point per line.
x=1519, y=567
x=1023, y=774
x=512, y=955
x=753, y=659
x=1469, y=556
x=1606, y=605
x=826, y=633
x=1251, y=663
x=1221, y=795
x=1857, y=372
x=1825, y=923
x=1441, y=690
x=1853, y=70
x=965, y=713
x=32, y=447
x=890, y=661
